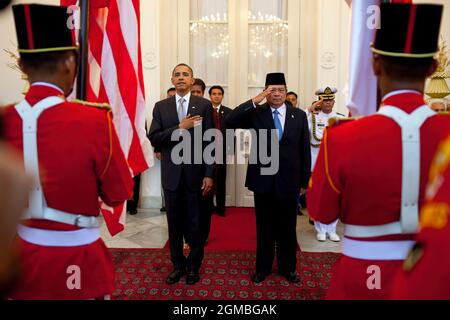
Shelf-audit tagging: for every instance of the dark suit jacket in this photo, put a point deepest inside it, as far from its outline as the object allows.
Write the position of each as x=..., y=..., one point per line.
x=228, y=148
x=294, y=152
x=165, y=122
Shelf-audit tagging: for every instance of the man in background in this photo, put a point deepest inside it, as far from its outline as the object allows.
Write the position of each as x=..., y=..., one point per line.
x=317, y=123
x=292, y=98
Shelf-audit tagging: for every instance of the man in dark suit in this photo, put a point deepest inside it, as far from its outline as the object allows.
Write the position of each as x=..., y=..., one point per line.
x=220, y=113
x=187, y=183
x=276, y=193
x=220, y=173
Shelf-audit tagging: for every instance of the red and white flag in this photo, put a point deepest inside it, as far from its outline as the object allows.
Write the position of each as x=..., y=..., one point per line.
x=363, y=92
x=115, y=76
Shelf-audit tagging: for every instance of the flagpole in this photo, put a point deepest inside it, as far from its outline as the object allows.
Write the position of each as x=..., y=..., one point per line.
x=84, y=50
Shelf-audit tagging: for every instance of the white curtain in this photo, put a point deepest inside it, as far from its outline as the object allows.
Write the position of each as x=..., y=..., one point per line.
x=209, y=41
x=268, y=41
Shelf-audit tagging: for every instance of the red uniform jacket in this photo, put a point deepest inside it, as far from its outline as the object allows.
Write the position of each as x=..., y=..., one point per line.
x=426, y=272
x=80, y=160
x=357, y=179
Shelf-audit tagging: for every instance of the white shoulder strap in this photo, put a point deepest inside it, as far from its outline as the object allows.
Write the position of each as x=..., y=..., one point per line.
x=410, y=125
x=29, y=117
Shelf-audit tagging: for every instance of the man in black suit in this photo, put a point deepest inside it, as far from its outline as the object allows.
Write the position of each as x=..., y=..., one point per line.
x=186, y=183
x=220, y=113
x=276, y=192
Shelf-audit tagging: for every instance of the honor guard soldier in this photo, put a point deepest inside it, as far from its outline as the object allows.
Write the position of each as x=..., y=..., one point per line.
x=73, y=154
x=371, y=173
x=317, y=122
x=425, y=274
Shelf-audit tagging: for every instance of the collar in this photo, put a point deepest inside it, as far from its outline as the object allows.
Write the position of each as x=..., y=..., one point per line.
x=46, y=84
x=406, y=100
x=281, y=110
x=187, y=97
x=42, y=90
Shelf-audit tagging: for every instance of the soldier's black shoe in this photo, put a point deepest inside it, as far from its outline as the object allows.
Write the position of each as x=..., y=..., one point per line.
x=163, y=209
x=175, y=276
x=133, y=212
x=192, y=277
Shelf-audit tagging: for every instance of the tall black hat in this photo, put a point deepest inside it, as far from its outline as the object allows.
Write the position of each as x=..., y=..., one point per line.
x=408, y=30
x=275, y=79
x=42, y=28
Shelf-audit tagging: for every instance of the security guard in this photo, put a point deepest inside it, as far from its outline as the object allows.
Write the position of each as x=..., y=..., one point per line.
x=318, y=120
x=74, y=156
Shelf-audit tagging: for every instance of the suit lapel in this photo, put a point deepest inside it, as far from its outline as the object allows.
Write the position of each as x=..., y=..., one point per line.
x=267, y=116
x=289, y=122
x=172, y=109
x=192, y=105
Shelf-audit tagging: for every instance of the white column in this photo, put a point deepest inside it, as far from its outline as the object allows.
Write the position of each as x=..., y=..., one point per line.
x=150, y=43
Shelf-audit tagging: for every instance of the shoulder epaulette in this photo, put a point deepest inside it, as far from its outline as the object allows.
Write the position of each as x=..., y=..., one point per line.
x=444, y=112
x=104, y=106
x=334, y=122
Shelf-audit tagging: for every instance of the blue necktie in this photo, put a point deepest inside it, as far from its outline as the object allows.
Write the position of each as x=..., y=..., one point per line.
x=278, y=125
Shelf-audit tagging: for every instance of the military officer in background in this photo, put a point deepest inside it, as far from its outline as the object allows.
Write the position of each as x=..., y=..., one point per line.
x=318, y=119
x=73, y=154
x=371, y=173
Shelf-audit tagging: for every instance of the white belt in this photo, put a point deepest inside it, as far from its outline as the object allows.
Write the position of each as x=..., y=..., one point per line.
x=356, y=231
x=51, y=238
x=68, y=218
x=377, y=250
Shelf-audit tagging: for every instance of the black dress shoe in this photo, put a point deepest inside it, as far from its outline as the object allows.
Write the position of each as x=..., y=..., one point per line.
x=292, y=277
x=163, y=209
x=192, y=277
x=175, y=276
x=258, y=277
x=133, y=212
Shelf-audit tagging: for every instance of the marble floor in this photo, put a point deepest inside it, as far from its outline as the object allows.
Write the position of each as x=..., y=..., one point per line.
x=148, y=229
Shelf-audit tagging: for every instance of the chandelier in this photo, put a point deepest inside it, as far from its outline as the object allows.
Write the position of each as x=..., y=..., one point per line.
x=214, y=29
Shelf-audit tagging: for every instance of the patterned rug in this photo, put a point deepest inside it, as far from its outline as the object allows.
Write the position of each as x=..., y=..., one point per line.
x=140, y=275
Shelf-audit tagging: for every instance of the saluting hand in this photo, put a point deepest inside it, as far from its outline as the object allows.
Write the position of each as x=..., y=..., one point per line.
x=315, y=108
x=260, y=97
x=190, y=122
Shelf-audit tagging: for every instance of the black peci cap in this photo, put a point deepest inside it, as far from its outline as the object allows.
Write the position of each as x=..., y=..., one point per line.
x=408, y=30
x=275, y=79
x=42, y=28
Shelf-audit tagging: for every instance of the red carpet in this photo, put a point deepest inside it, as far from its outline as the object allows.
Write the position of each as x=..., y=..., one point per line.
x=234, y=232
x=140, y=275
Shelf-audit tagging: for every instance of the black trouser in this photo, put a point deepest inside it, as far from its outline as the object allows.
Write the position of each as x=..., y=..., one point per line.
x=184, y=216
x=221, y=182
x=133, y=203
x=220, y=193
x=276, y=222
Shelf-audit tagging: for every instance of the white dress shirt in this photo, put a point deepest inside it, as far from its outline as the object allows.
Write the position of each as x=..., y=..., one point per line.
x=186, y=98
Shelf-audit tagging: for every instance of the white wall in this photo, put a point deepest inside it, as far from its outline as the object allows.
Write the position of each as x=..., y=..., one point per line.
x=11, y=83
